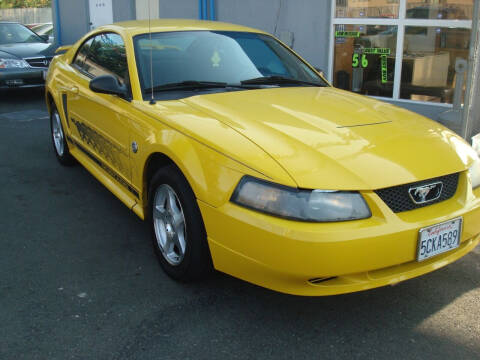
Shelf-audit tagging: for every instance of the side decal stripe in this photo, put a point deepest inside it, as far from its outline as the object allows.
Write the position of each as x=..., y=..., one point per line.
x=105, y=167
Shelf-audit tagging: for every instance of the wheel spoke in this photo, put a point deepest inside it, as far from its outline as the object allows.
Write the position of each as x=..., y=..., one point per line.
x=172, y=203
x=159, y=212
x=180, y=242
x=169, y=244
x=178, y=222
x=160, y=198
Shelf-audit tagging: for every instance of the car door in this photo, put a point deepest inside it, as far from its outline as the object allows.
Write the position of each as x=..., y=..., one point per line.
x=100, y=123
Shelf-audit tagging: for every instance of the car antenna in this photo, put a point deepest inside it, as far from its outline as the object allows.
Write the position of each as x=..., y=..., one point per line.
x=152, y=100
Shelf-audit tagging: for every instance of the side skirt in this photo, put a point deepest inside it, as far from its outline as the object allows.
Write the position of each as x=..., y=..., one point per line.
x=108, y=177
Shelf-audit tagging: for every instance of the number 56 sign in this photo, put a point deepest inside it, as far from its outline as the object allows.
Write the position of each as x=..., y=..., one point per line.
x=358, y=60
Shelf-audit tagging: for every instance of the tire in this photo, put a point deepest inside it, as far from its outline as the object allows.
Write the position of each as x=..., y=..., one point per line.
x=177, y=229
x=60, y=146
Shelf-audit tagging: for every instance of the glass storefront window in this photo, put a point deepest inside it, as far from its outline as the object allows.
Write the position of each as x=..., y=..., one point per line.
x=444, y=9
x=367, y=9
x=430, y=67
x=365, y=58
x=429, y=58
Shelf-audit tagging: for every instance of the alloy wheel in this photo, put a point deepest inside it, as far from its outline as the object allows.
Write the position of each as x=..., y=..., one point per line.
x=169, y=224
x=57, y=133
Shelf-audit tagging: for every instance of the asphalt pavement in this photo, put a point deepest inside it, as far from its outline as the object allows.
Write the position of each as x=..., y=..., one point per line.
x=79, y=280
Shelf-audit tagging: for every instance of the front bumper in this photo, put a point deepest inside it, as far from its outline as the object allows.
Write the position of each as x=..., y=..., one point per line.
x=22, y=78
x=294, y=257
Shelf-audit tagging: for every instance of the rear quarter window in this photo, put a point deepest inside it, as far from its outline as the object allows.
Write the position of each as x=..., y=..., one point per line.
x=81, y=55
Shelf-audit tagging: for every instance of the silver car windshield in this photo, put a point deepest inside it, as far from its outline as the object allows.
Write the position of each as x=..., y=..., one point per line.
x=16, y=33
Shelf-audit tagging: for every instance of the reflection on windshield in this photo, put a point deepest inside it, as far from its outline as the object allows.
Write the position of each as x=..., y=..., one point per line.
x=16, y=33
x=216, y=56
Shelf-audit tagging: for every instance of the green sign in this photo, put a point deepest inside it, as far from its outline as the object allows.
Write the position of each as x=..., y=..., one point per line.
x=357, y=60
x=351, y=34
x=376, y=51
x=383, y=63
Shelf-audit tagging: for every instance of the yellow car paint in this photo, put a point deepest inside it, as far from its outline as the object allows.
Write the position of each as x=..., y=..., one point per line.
x=316, y=132
x=305, y=137
x=62, y=49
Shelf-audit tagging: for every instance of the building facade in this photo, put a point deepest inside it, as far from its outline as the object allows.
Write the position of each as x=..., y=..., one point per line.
x=418, y=54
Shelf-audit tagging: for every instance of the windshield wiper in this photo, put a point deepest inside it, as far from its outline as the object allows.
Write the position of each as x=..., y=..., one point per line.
x=277, y=80
x=188, y=85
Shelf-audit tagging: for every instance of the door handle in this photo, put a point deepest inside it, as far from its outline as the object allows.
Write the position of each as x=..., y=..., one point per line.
x=73, y=90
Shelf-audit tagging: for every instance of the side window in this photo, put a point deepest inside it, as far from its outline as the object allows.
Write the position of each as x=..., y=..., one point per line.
x=107, y=57
x=82, y=54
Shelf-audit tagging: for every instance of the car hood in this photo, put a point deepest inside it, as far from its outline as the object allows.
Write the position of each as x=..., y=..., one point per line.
x=326, y=138
x=28, y=50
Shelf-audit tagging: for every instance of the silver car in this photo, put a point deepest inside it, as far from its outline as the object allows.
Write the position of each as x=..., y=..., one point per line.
x=24, y=56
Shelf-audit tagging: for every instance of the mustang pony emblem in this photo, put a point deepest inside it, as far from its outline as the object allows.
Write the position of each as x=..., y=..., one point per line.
x=426, y=193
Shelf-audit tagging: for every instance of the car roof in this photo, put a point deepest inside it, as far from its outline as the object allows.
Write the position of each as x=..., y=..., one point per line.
x=165, y=25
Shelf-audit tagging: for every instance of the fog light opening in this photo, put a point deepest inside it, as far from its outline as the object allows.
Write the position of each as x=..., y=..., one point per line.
x=321, y=280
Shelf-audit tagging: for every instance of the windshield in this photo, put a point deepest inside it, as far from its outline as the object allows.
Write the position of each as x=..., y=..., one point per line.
x=16, y=33
x=218, y=56
x=44, y=29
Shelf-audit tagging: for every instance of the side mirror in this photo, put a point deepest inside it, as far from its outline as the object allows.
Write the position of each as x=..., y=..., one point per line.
x=45, y=38
x=108, y=84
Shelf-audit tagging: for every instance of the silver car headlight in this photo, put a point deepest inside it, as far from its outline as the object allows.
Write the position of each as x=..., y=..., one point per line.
x=13, y=64
x=296, y=204
x=474, y=173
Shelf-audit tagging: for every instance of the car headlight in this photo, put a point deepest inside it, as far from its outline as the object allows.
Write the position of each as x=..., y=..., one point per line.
x=474, y=173
x=296, y=204
x=13, y=64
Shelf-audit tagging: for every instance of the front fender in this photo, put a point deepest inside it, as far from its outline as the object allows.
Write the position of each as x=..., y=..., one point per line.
x=213, y=157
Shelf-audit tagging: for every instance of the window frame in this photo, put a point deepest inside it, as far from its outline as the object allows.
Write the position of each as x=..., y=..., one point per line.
x=74, y=58
x=401, y=22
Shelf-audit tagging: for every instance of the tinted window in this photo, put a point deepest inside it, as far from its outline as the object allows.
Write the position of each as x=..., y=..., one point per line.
x=218, y=56
x=82, y=54
x=107, y=57
x=445, y=9
x=263, y=56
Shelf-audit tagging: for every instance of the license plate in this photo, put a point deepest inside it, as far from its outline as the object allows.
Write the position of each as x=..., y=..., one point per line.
x=439, y=238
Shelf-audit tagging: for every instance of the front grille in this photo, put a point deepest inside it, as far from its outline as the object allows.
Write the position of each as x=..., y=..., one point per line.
x=398, y=199
x=39, y=62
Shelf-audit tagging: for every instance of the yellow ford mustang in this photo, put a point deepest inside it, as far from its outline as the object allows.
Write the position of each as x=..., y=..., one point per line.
x=241, y=157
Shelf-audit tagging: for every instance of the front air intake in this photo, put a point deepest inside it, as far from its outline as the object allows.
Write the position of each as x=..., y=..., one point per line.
x=398, y=199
